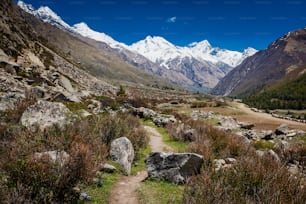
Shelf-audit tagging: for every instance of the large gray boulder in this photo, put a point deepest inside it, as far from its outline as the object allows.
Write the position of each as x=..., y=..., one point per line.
x=122, y=152
x=46, y=114
x=173, y=167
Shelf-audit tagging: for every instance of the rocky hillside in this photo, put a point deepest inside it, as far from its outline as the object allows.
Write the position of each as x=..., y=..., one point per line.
x=266, y=67
x=57, y=65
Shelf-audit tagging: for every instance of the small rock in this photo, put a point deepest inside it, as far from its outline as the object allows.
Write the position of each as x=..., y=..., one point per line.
x=273, y=155
x=108, y=168
x=85, y=196
x=98, y=182
x=219, y=163
x=230, y=160
x=260, y=153
x=266, y=134
x=84, y=114
x=247, y=126
x=250, y=134
x=293, y=169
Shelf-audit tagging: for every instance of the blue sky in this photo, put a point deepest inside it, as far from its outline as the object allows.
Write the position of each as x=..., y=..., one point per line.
x=231, y=24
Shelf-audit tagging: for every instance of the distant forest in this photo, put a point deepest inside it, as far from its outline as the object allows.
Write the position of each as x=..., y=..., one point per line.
x=290, y=95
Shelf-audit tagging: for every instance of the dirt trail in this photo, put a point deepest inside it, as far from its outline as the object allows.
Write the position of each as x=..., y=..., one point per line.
x=265, y=120
x=124, y=192
x=156, y=141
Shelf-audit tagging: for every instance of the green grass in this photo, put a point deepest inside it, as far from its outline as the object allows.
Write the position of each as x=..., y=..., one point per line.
x=101, y=194
x=155, y=191
x=213, y=121
x=175, y=145
x=263, y=145
x=75, y=107
x=141, y=166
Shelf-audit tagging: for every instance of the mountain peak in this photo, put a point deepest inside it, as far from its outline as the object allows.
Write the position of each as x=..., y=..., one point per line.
x=45, y=14
x=26, y=7
x=203, y=43
x=249, y=51
x=156, y=39
x=82, y=26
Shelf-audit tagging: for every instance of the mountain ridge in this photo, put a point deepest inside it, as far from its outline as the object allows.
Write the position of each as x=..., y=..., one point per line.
x=265, y=67
x=198, y=66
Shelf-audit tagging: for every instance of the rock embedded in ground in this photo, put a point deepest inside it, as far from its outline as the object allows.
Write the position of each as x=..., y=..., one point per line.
x=283, y=129
x=228, y=123
x=247, y=126
x=266, y=135
x=59, y=157
x=173, y=167
x=108, y=168
x=122, y=152
x=46, y=114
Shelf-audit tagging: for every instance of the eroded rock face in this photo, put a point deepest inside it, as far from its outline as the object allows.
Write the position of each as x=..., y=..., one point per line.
x=122, y=152
x=173, y=167
x=46, y=114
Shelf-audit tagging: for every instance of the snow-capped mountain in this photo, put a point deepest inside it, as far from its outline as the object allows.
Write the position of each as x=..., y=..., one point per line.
x=198, y=66
x=45, y=14
x=159, y=50
x=83, y=29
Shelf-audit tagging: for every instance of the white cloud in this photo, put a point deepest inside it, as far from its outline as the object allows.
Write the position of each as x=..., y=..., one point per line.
x=171, y=20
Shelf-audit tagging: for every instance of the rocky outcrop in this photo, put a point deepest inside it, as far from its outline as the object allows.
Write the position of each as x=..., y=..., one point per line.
x=122, y=152
x=173, y=167
x=158, y=119
x=46, y=114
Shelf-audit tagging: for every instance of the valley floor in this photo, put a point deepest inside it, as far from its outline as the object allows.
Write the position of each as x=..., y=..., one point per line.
x=262, y=121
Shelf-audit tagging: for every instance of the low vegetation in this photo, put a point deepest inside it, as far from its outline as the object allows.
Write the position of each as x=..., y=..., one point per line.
x=154, y=191
x=251, y=180
x=27, y=178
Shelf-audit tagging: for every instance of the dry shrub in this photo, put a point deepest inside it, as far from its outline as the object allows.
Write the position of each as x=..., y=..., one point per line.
x=222, y=144
x=295, y=153
x=39, y=180
x=251, y=180
x=200, y=104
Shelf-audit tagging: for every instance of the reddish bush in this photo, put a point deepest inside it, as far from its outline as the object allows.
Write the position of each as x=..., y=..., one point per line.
x=251, y=180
